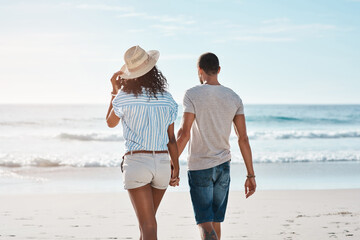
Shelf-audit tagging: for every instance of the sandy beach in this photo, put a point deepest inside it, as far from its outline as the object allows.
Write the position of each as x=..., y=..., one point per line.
x=282, y=214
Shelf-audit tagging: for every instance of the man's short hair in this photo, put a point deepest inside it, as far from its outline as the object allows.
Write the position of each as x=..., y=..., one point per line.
x=209, y=62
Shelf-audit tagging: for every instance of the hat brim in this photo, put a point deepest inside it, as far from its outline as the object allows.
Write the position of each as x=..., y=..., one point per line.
x=152, y=60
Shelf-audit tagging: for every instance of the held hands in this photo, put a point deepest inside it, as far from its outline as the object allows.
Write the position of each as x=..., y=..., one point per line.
x=250, y=186
x=174, y=181
x=114, y=81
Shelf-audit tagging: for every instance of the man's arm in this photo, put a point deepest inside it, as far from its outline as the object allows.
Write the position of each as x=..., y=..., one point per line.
x=243, y=141
x=183, y=135
x=173, y=151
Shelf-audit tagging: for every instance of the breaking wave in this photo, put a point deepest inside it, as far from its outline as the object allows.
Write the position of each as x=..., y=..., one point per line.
x=91, y=137
x=304, y=134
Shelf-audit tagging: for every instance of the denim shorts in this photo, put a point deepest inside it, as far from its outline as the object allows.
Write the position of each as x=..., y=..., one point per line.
x=209, y=190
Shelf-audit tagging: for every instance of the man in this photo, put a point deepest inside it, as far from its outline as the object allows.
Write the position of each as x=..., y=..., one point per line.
x=209, y=111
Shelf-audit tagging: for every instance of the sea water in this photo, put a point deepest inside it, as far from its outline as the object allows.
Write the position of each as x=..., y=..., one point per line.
x=294, y=147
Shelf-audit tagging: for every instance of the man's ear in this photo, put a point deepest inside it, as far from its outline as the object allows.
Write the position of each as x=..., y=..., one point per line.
x=200, y=71
x=219, y=69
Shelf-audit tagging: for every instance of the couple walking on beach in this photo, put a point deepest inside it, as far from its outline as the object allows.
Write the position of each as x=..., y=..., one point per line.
x=148, y=112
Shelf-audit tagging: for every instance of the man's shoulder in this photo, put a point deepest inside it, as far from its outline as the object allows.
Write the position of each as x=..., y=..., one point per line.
x=194, y=89
x=199, y=89
x=229, y=90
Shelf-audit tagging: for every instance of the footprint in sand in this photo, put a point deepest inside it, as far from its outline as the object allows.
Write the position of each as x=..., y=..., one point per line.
x=332, y=235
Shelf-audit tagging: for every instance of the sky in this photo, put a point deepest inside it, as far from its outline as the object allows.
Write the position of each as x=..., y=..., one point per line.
x=270, y=52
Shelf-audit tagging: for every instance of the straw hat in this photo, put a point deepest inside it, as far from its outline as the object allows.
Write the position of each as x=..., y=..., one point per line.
x=138, y=62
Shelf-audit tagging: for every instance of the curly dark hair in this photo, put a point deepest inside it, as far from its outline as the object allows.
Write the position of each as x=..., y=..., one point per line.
x=153, y=82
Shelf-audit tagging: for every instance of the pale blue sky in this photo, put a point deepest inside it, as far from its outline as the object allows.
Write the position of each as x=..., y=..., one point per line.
x=270, y=51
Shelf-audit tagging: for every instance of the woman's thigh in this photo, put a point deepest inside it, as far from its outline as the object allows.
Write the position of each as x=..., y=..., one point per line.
x=142, y=201
x=146, y=201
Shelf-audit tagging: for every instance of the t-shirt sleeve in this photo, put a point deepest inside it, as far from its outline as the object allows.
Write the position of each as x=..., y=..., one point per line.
x=188, y=104
x=117, y=107
x=240, y=109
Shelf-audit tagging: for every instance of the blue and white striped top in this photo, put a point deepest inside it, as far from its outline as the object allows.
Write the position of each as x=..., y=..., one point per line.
x=145, y=120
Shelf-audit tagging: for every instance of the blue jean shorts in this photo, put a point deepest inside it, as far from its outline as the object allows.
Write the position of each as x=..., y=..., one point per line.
x=209, y=190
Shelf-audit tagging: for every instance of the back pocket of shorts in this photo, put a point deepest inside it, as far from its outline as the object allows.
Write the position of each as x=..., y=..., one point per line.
x=201, y=178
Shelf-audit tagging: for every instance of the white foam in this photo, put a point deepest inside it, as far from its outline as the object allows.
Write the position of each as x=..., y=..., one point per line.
x=114, y=159
x=91, y=137
x=308, y=134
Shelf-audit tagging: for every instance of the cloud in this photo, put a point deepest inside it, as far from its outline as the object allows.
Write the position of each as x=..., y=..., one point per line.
x=138, y=30
x=179, y=56
x=248, y=38
x=276, y=20
x=167, y=29
x=273, y=30
x=263, y=39
x=104, y=7
x=301, y=28
x=179, y=19
x=165, y=24
x=129, y=12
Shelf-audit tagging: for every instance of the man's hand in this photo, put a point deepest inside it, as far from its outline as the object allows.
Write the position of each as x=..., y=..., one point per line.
x=114, y=81
x=250, y=187
x=174, y=181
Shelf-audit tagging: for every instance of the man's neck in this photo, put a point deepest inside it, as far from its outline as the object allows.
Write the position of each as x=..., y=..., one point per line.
x=211, y=80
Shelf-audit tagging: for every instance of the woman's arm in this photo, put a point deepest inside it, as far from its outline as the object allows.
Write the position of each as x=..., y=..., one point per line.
x=174, y=155
x=111, y=118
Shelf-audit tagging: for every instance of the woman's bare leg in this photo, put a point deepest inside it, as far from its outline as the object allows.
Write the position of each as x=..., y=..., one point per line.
x=157, y=197
x=144, y=206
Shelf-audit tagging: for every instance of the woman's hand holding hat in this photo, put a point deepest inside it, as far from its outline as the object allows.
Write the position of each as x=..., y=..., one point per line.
x=114, y=81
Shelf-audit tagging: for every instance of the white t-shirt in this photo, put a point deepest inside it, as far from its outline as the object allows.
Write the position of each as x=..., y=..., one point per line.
x=215, y=107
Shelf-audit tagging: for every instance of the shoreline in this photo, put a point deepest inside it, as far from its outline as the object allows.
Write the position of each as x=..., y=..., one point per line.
x=270, y=176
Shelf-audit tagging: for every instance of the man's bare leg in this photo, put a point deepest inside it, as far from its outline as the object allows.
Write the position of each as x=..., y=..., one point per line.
x=207, y=231
x=217, y=228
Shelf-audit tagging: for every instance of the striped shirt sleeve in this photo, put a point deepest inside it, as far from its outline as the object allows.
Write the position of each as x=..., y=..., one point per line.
x=173, y=113
x=117, y=107
x=173, y=109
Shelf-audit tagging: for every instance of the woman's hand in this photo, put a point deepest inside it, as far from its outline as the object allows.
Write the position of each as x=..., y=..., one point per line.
x=174, y=180
x=114, y=81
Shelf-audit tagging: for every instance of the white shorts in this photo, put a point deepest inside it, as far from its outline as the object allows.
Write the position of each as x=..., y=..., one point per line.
x=140, y=169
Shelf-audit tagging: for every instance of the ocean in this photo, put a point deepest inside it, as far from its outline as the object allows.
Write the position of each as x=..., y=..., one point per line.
x=66, y=147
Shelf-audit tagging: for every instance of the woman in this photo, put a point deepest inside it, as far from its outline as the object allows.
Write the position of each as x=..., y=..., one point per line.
x=148, y=113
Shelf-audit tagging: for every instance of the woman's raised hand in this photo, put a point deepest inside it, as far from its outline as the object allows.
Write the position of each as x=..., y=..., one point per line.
x=114, y=80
